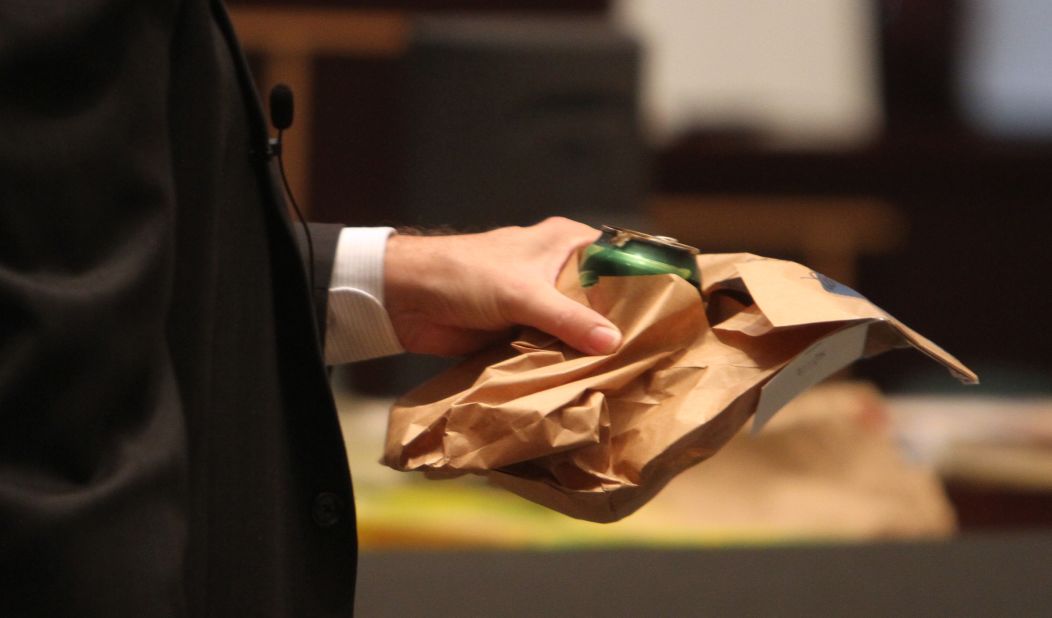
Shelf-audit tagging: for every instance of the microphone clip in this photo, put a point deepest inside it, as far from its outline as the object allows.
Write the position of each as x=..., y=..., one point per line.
x=273, y=147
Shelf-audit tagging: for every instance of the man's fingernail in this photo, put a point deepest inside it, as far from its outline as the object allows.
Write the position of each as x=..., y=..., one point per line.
x=603, y=339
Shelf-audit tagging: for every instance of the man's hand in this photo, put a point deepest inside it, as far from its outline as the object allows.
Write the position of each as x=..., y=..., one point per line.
x=450, y=295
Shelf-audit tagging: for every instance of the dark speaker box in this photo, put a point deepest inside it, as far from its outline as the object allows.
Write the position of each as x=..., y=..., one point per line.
x=511, y=120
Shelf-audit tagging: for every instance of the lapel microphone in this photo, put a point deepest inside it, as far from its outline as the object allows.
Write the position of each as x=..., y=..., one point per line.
x=281, y=114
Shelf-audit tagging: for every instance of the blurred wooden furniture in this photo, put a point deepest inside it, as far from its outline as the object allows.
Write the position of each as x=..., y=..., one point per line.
x=829, y=234
x=288, y=40
x=296, y=41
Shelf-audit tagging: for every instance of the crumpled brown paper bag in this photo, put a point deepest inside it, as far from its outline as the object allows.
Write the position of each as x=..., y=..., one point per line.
x=595, y=437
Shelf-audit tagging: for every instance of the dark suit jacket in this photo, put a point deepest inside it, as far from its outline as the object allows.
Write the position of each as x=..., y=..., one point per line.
x=168, y=442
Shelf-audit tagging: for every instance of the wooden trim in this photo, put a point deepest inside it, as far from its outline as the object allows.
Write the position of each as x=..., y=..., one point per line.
x=314, y=32
x=289, y=39
x=830, y=233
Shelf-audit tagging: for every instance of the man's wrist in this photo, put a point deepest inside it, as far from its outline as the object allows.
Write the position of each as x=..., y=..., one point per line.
x=411, y=264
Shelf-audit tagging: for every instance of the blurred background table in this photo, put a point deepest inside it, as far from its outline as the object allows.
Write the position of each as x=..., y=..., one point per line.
x=726, y=546
x=841, y=462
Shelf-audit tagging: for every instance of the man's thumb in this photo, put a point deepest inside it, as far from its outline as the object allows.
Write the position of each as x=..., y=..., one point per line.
x=570, y=321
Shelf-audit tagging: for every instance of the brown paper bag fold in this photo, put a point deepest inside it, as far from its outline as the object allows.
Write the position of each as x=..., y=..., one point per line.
x=595, y=437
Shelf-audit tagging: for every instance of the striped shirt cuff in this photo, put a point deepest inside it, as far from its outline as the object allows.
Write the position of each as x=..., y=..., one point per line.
x=357, y=325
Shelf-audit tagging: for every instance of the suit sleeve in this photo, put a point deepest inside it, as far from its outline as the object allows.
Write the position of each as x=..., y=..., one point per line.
x=353, y=324
x=324, y=238
x=92, y=447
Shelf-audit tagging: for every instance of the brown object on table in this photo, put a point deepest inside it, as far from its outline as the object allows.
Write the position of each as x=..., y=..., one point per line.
x=827, y=466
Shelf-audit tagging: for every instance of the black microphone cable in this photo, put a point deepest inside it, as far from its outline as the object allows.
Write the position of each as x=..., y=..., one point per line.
x=281, y=113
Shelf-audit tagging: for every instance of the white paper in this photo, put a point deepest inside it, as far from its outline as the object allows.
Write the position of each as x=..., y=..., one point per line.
x=821, y=360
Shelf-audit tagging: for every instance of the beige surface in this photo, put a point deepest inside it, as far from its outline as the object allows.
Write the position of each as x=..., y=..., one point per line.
x=827, y=467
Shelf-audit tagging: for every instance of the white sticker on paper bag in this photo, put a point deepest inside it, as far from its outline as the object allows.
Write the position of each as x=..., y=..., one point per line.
x=821, y=360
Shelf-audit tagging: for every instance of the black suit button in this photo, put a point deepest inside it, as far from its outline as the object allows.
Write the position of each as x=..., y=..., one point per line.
x=328, y=509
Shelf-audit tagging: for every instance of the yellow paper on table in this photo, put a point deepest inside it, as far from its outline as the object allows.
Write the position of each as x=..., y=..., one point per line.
x=596, y=437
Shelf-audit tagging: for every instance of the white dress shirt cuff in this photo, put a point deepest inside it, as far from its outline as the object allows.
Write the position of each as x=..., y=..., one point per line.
x=357, y=325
